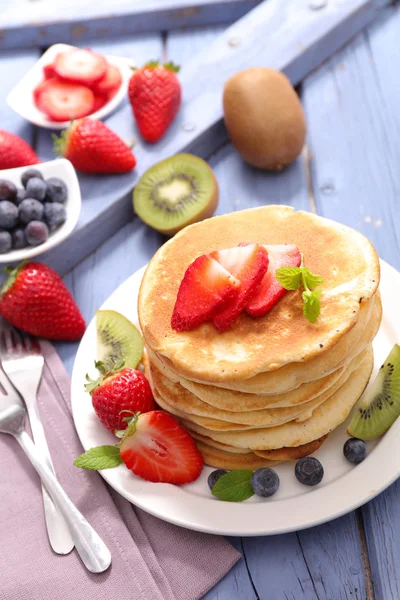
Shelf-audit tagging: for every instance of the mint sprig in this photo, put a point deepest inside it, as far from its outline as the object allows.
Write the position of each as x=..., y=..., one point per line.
x=234, y=486
x=291, y=278
x=101, y=457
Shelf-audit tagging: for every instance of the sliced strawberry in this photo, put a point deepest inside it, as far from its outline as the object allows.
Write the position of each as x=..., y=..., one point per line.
x=247, y=263
x=157, y=448
x=63, y=101
x=270, y=290
x=205, y=288
x=37, y=91
x=111, y=80
x=48, y=71
x=80, y=66
x=99, y=101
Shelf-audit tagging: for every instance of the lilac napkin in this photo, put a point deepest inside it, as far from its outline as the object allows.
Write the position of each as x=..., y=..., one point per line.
x=151, y=559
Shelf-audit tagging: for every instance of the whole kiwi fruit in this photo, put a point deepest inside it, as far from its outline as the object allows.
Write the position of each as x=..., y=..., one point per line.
x=264, y=118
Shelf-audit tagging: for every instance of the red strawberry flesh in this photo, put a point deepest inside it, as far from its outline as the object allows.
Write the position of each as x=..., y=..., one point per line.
x=80, y=66
x=205, y=288
x=62, y=101
x=248, y=263
x=270, y=290
x=111, y=80
x=160, y=450
x=48, y=71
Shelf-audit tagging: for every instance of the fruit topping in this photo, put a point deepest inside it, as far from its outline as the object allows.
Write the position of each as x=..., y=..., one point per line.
x=309, y=471
x=175, y=192
x=214, y=476
x=80, y=66
x=355, y=450
x=116, y=396
x=205, y=288
x=156, y=448
x=15, y=152
x=94, y=148
x=265, y=482
x=270, y=290
x=155, y=95
x=63, y=101
x=248, y=263
x=379, y=406
x=111, y=80
x=118, y=340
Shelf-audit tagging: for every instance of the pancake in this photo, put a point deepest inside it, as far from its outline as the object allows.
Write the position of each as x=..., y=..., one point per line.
x=290, y=377
x=210, y=442
x=324, y=419
x=225, y=460
x=188, y=406
x=343, y=257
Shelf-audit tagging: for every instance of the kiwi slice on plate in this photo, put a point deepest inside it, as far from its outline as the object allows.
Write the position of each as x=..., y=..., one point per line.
x=118, y=340
x=176, y=192
x=379, y=406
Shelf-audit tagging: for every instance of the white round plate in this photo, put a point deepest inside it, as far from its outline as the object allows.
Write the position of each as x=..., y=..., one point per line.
x=20, y=99
x=294, y=506
x=62, y=168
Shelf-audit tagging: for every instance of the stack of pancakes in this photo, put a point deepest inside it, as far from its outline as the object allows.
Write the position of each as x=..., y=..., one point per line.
x=268, y=389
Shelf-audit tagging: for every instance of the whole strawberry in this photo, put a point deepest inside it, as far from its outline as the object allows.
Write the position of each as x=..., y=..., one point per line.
x=116, y=396
x=155, y=95
x=92, y=147
x=35, y=299
x=15, y=152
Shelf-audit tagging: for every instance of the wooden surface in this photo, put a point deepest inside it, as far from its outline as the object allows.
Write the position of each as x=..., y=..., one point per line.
x=350, y=172
x=299, y=38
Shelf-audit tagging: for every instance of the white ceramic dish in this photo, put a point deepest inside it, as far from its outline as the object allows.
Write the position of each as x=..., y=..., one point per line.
x=294, y=506
x=20, y=98
x=62, y=168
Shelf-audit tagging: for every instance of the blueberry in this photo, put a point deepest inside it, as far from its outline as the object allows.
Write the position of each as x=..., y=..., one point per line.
x=27, y=175
x=21, y=195
x=18, y=239
x=54, y=214
x=8, y=190
x=5, y=241
x=57, y=191
x=36, y=233
x=214, y=476
x=308, y=470
x=36, y=188
x=265, y=482
x=30, y=210
x=8, y=215
x=355, y=450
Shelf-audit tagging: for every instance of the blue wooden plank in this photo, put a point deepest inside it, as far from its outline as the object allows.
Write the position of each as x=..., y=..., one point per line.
x=354, y=126
x=38, y=24
x=296, y=43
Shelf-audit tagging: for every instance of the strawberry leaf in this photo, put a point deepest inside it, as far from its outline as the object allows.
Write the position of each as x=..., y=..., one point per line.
x=101, y=457
x=289, y=277
x=234, y=486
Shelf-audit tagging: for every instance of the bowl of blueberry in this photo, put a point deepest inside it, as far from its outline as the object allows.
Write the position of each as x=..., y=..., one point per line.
x=39, y=208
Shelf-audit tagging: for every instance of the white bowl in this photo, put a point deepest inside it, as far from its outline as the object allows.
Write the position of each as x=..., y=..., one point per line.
x=21, y=100
x=62, y=168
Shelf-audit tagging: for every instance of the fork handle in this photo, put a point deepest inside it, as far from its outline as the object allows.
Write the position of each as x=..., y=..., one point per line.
x=94, y=553
x=57, y=528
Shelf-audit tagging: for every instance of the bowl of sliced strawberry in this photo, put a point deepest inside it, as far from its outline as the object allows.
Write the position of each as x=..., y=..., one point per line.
x=69, y=83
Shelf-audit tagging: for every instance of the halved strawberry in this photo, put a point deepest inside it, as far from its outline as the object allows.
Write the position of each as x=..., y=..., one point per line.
x=248, y=263
x=48, y=71
x=111, y=80
x=270, y=290
x=156, y=448
x=205, y=288
x=80, y=66
x=63, y=101
x=99, y=101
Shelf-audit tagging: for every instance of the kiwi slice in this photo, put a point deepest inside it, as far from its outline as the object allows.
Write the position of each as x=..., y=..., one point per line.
x=118, y=340
x=379, y=406
x=176, y=192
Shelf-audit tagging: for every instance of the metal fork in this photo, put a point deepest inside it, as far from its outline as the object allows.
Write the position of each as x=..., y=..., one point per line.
x=91, y=548
x=23, y=362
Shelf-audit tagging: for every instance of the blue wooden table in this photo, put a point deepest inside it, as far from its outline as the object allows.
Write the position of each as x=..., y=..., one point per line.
x=349, y=171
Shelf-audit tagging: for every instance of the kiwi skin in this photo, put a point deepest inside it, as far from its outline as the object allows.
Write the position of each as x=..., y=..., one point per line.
x=264, y=118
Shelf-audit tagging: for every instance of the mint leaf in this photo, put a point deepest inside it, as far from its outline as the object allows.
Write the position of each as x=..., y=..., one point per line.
x=312, y=305
x=289, y=277
x=101, y=457
x=311, y=281
x=234, y=486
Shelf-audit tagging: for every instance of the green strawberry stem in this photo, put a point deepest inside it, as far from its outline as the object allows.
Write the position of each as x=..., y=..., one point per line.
x=121, y=433
x=12, y=273
x=152, y=64
x=104, y=371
